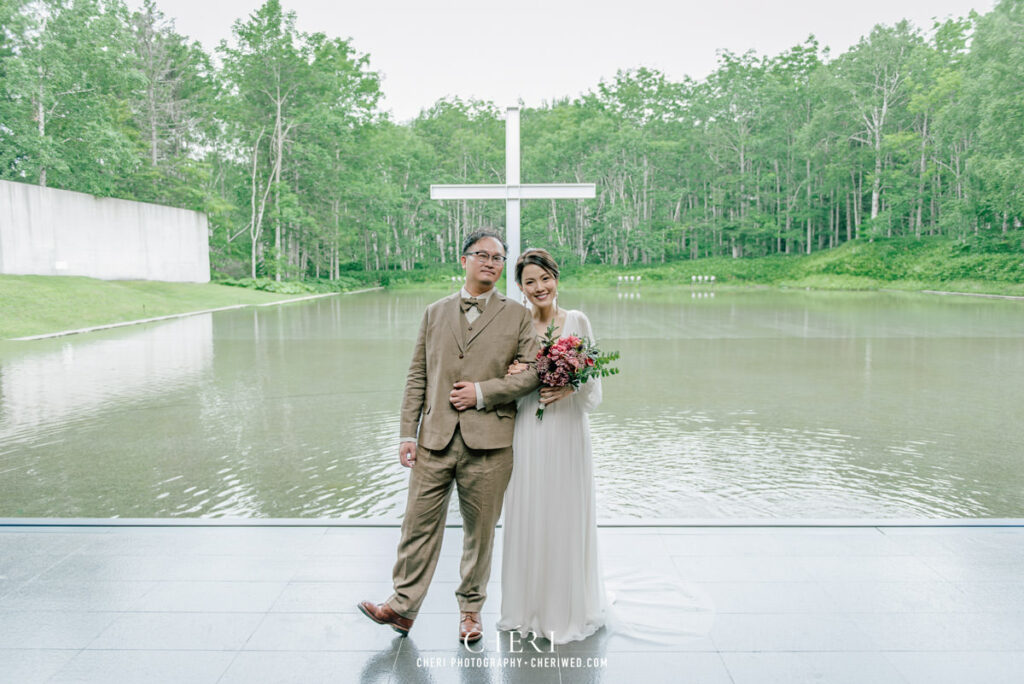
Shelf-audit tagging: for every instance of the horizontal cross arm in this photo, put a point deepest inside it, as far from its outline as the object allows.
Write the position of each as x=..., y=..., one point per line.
x=473, y=192
x=507, y=192
x=558, y=191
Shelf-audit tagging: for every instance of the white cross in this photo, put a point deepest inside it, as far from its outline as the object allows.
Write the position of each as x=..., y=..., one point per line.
x=513, y=191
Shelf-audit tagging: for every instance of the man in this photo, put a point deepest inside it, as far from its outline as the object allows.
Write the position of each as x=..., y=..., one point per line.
x=457, y=383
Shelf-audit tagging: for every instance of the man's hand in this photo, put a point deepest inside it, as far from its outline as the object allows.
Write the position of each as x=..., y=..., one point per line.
x=516, y=368
x=463, y=395
x=549, y=395
x=407, y=454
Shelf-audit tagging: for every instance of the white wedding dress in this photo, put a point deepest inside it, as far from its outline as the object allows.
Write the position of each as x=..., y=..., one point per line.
x=551, y=573
x=551, y=579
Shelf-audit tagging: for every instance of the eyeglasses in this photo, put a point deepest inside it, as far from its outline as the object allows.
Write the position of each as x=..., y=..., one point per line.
x=485, y=257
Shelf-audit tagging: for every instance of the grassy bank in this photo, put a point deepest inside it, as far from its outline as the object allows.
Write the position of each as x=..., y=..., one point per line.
x=35, y=305
x=32, y=305
x=901, y=264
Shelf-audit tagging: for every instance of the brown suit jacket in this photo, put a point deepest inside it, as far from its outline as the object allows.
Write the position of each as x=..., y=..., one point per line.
x=441, y=357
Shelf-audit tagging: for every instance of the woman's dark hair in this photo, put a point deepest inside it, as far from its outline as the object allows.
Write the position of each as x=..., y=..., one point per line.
x=537, y=257
x=478, y=235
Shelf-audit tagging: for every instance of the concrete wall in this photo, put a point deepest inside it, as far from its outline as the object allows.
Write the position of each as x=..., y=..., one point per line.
x=44, y=231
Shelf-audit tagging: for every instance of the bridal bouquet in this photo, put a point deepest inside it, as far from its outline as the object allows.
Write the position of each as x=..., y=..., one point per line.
x=571, y=361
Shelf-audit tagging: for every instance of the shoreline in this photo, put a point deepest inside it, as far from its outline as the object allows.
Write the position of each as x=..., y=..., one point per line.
x=141, y=321
x=823, y=523
x=968, y=294
x=443, y=285
x=725, y=285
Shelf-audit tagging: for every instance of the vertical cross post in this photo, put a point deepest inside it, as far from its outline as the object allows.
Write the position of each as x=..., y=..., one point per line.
x=512, y=218
x=512, y=191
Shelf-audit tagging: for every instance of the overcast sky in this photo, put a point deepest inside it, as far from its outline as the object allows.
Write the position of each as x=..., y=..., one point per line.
x=537, y=50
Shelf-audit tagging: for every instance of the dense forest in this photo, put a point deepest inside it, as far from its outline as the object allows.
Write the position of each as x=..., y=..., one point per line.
x=278, y=136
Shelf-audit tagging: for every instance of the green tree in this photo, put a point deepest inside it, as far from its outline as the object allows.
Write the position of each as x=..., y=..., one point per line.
x=995, y=78
x=173, y=112
x=68, y=77
x=873, y=78
x=266, y=71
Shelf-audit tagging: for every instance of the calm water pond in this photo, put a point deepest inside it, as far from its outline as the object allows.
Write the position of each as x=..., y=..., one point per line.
x=753, y=403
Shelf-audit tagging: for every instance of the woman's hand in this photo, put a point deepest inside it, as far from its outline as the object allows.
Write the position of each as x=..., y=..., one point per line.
x=550, y=395
x=516, y=367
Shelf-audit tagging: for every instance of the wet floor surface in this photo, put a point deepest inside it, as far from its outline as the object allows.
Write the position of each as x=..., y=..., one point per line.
x=263, y=603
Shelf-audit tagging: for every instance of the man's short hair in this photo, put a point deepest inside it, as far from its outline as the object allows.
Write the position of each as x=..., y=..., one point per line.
x=478, y=235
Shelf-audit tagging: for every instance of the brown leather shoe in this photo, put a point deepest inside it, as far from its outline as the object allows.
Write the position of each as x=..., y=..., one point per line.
x=470, y=629
x=382, y=614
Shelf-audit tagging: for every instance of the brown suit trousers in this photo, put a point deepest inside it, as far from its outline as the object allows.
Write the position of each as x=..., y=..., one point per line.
x=472, y=448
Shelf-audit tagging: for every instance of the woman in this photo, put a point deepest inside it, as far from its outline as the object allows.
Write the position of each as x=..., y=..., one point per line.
x=551, y=582
x=551, y=576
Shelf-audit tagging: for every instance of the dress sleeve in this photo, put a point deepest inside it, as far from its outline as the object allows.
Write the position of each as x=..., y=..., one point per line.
x=588, y=396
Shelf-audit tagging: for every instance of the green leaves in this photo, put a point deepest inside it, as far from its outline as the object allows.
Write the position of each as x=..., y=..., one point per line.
x=281, y=141
x=66, y=76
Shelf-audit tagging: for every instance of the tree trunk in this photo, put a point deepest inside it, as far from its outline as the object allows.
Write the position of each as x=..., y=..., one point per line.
x=920, y=184
x=41, y=116
x=278, y=135
x=256, y=216
x=876, y=182
x=849, y=219
x=778, y=207
x=810, y=227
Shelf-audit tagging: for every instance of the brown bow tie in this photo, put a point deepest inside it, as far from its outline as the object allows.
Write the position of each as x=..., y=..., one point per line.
x=468, y=302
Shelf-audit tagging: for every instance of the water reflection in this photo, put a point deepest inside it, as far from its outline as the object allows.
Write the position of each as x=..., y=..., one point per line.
x=71, y=379
x=745, y=404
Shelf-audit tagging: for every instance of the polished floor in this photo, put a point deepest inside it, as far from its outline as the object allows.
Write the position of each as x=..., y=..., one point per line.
x=271, y=602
